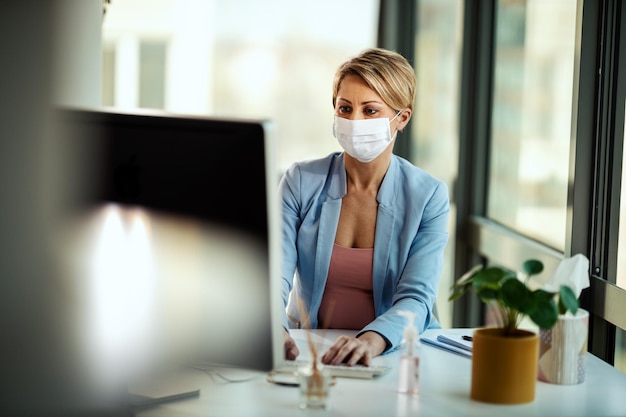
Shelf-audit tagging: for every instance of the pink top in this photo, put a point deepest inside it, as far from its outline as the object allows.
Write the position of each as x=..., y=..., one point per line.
x=348, y=301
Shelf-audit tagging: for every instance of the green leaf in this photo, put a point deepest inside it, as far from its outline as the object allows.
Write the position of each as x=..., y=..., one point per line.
x=543, y=294
x=567, y=300
x=490, y=277
x=532, y=267
x=459, y=289
x=487, y=294
x=544, y=313
x=517, y=296
x=456, y=295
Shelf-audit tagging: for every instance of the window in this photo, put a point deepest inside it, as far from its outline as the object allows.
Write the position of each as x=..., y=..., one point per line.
x=531, y=118
x=108, y=68
x=435, y=126
x=152, y=74
x=271, y=59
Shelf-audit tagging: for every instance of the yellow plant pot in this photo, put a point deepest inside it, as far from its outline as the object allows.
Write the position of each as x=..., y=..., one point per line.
x=504, y=368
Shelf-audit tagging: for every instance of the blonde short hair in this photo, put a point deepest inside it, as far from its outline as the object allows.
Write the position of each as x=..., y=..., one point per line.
x=386, y=72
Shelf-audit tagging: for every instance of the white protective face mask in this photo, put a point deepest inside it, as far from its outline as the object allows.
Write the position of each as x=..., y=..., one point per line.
x=363, y=139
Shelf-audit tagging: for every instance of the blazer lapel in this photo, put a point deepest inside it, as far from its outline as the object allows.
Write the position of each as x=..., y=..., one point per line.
x=385, y=223
x=329, y=219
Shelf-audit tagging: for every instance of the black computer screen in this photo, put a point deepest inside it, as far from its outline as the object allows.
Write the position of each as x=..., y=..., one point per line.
x=205, y=291
x=206, y=168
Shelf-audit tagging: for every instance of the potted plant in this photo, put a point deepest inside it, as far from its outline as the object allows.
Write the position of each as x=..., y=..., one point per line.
x=505, y=357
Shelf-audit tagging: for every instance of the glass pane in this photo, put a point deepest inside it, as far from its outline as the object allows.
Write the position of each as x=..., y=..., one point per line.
x=152, y=74
x=272, y=59
x=532, y=107
x=108, y=66
x=435, y=120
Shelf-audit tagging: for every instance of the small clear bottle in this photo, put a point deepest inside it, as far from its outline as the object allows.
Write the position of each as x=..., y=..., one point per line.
x=408, y=371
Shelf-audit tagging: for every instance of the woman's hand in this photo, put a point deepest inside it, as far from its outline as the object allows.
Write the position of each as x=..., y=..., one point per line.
x=351, y=350
x=291, y=350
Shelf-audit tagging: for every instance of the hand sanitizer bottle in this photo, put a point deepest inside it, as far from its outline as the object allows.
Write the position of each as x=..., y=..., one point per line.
x=408, y=372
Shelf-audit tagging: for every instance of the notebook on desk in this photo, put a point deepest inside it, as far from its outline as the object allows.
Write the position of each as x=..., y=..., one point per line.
x=454, y=343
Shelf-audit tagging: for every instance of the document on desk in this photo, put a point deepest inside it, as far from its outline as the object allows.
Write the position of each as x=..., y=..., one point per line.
x=454, y=343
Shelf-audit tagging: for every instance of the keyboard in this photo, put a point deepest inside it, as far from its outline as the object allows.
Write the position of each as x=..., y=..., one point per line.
x=340, y=371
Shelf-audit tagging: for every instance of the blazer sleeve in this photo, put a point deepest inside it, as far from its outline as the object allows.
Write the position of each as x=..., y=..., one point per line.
x=289, y=191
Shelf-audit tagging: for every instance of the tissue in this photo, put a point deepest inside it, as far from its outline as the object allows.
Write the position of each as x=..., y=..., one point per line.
x=573, y=272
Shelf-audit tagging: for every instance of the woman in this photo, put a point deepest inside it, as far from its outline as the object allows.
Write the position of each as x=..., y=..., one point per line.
x=363, y=230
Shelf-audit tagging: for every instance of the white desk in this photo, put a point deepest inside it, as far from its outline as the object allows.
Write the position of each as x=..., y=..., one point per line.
x=444, y=391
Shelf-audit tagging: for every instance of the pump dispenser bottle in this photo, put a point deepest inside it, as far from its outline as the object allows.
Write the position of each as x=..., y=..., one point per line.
x=408, y=371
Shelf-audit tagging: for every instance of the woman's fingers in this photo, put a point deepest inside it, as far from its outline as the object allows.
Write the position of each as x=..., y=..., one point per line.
x=291, y=349
x=349, y=351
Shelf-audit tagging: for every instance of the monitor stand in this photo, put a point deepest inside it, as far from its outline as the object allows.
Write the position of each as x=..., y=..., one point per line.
x=158, y=390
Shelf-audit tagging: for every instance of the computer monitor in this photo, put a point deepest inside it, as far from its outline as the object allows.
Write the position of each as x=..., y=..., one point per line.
x=181, y=260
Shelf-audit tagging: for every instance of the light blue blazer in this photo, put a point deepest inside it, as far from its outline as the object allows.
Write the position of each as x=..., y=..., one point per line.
x=411, y=234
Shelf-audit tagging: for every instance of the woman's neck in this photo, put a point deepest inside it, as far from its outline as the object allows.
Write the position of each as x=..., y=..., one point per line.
x=366, y=176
